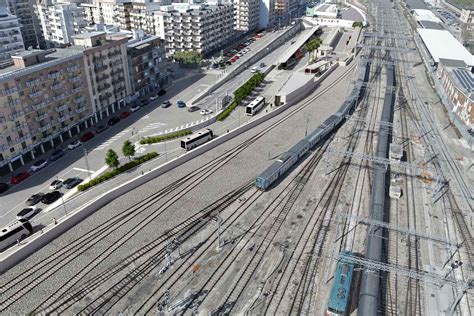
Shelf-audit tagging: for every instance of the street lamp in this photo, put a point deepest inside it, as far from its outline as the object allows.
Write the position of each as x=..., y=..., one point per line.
x=86, y=160
x=62, y=199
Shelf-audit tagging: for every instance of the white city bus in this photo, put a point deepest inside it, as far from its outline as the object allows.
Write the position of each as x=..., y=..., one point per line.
x=197, y=139
x=18, y=230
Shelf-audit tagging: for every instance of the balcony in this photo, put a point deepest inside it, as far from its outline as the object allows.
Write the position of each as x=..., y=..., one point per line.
x=40, y=105
x=36, y=94
x=117, y=81
x=13, y=103
x=81, y=110
x=56, y=86
x=16, y=115
x=116, y=72
x=114, y=53
x=59, y=97
x=74, y=79
x=73, y=68
x=41, y=117
x=100, y=68
x=101, y=78
x=105, y=96
x=54, y=75
x=63, y=118
x=61, y=108
x=33, y=82
x=8, y=91
x=78, y=100
x=44, y=128
x=76, y=90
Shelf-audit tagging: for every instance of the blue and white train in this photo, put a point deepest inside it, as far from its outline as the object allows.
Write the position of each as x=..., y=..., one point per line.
x=292, y=156
x=341, y=290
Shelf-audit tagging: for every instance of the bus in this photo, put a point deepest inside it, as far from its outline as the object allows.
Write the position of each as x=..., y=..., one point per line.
x=18, y=230
x=197, y=139
x=255, y=106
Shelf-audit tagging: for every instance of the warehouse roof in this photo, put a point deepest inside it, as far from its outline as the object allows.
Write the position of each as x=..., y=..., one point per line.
x=442, y=44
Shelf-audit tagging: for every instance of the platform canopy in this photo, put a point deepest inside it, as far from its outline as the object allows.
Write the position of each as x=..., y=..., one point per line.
x=442, y=44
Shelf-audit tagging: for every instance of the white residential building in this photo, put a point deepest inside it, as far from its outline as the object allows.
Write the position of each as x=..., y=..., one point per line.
x=101, y=11
x=11, y=40
x=246, y=15
x=186, y=27
x=60, y=21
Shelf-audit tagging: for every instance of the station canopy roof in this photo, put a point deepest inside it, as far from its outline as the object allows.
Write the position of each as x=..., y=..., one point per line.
x=442, y=44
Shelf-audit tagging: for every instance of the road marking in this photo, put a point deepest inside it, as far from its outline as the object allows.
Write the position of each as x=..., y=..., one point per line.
x=83, y=170
x=152, y=126
x=145, y=117
x=111, y=140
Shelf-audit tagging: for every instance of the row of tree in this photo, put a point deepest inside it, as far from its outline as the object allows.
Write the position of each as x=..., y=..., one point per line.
x=112, y=159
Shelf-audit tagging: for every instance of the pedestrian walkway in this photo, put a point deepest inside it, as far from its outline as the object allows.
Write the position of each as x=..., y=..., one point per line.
x=152, y=126
x=112, y=140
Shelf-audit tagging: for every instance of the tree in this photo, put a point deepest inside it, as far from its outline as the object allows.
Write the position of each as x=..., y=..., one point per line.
x=188, y=57
x=128, y=149
x=312, y=46
x=111, y=159
x=357, y=24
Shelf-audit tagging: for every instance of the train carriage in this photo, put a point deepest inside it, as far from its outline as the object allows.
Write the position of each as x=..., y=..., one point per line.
x=300, y=149
x=339, y=297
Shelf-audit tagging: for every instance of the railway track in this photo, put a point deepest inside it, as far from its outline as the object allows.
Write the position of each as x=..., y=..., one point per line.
x=102, y=230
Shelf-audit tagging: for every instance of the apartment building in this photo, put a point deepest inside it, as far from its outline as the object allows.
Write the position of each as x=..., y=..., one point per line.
x=246, y=15
x=458, y=84
x=43, y=100
x=467, y=28
x=11, y=40
x=146, y=64
x=201, y=27
x=30, y=26
x=105, y=59
x=101, y=11
x=60, y=21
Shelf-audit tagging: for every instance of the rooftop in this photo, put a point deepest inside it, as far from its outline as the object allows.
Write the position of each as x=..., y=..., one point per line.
x=425, y=15
x=89, y=34
x=465, y=79
x=442, y=44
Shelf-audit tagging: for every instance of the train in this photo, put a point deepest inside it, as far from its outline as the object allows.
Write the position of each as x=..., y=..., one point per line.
x=339, y=297
x=278, y=169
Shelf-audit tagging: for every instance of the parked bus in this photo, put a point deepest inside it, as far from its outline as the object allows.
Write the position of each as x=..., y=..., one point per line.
x=18, y=230
x=255, y=106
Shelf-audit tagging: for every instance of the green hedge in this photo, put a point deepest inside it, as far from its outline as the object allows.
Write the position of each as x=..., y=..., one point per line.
x=157, y=139
x=108, y=175
x=241, y=93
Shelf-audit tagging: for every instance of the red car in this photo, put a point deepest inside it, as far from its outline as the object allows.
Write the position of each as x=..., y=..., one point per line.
x=124, y=114
x=87, y=136
x=19, y=177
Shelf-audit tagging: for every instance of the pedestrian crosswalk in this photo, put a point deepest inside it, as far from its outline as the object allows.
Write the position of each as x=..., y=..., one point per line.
x=112, y=139
x=152, y=126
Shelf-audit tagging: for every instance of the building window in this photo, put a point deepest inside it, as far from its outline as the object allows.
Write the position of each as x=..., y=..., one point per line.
x=23, y=145
x=12, y=149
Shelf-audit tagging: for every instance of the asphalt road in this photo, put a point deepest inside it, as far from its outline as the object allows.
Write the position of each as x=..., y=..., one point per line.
x=149, y=120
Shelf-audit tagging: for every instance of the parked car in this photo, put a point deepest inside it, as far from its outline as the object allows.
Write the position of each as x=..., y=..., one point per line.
x=181, y=104
x=255, y=69
x=3, y=187
x=166, y=104
x=124, y=114
x=214, y=66
x=50, y=197
x=74, y=144
x=228, y=63
x=34, y=199
x=101, y=128
x=113, y=120
x=144, y=102
x=262, y=65
x=134, y=108
x=72, y=182
x=193, y=108
x=58, y=153
x=87, y=136
x=27, y=212
x=17, y=178
x=161, y=92
x=56, y=184
x=40, y=164
x=205, y=112
x=153, y=97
